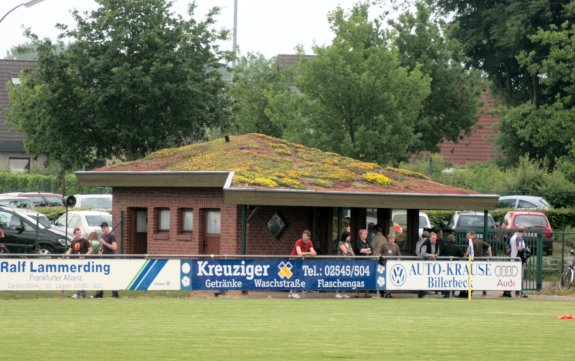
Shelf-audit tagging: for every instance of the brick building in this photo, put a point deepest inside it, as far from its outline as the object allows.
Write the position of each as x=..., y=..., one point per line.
x=479, y=146
x=13, y=155
x=254, y=194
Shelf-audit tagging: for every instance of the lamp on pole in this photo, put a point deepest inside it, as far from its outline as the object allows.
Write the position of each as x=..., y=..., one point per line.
x=26, y=4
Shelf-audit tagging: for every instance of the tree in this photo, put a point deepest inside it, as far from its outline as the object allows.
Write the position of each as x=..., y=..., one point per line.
x=255, y=79
x=354, y=97
x=451, y=108
x=495, y=32
x=546, y=131
x=135, y=78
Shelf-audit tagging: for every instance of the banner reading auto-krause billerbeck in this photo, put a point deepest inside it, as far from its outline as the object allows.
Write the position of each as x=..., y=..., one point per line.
x=452, y=275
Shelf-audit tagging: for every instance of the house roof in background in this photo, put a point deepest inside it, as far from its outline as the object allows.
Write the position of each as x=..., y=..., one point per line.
x=9, y=70
x=479, y=147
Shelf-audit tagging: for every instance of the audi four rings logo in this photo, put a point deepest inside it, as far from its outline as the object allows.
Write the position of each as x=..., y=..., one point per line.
x=398, y=275
x=506, y=271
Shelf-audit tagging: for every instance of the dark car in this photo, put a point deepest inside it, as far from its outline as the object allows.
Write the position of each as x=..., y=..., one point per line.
x=21, y=226
x=41, y=199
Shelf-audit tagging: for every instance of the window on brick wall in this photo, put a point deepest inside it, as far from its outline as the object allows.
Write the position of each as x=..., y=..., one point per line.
x=187, y=220
x=213, y=221
x=163, y=220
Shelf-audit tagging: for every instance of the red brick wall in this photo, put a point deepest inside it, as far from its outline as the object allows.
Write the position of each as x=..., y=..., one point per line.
x=174, y=241
x=259, y=239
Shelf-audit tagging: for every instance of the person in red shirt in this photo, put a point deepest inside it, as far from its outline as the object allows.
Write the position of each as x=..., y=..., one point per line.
x=303, y=247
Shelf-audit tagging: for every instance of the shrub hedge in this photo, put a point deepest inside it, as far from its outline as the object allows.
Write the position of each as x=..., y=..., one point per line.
x=34, y=182
x=560, y=218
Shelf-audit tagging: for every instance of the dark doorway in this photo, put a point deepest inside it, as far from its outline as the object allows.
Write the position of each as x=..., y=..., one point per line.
x=212, y=231
x=139, y=233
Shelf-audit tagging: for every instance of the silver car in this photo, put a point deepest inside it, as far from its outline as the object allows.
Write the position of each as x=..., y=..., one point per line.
x=522, y=202
x=88, y=221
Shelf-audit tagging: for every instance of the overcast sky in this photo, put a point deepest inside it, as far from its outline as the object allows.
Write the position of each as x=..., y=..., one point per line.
x=269, y=27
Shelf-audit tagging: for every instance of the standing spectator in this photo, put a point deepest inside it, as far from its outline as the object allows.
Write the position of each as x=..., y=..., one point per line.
x=363, y=248
x=109, y=246
x=480, y=247
x=430, y=248
x=430, y=251
x=378, y=240
x=450, y=249
x=79, y=245
x=423, y=238
x=344, y=248
x=517, y=245
x=390, y=249
x=303, y=247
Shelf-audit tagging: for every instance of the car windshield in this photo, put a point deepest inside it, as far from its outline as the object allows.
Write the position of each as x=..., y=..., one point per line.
x=17, y=203
x=95, y=221
x=54, y=201
x=42, y=219
x=97, y=203
x=530, y=220
x=474, y=221
x=401, y=219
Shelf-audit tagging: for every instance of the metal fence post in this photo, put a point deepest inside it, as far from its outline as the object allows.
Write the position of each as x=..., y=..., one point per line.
x=562, y=250
x=36, y=243
x=539, y=261
x=121, y=232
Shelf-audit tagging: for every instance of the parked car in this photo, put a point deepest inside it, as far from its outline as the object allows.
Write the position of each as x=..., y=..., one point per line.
x=16, y=202
x=40, y=199
x=101, y=202
x=523, y=202
x=21, y=227
x=531, y=221
x=87, y=221
x=400, y=217
x=469, y=220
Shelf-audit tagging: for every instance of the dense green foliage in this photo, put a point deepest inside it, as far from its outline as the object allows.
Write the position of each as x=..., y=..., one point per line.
x=371, y=94
x=135, y=78
x=527, y=177
x=451, y=107
x=34, y=182
x=526, y=49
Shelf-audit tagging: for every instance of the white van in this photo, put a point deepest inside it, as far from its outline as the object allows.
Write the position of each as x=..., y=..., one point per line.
x=101, y=202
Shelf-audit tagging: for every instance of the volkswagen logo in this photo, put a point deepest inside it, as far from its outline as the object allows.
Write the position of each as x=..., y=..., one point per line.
x=397, y=275
x=506, y=271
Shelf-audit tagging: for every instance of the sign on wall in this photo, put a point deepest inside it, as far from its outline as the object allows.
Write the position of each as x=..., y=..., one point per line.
x=89, y=274
x=278, y=275
x=451, y=275
x=210, y=274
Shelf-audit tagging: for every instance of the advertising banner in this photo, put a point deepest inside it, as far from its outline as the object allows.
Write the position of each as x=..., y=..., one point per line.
x=89, y=274
x=18, y=274
x=278, y=275
x=452, y=275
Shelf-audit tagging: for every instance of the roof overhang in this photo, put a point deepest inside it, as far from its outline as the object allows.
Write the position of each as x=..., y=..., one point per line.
x=361, y=200
x=153, y=179
x=282, y=197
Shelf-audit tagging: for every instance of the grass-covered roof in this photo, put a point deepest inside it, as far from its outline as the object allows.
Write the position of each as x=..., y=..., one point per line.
x=261, y=161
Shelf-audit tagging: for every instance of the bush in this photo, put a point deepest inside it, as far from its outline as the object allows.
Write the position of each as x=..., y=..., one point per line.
x=35, y=182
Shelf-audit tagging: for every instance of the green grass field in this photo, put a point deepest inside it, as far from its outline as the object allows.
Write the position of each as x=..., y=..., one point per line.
x=284, y=329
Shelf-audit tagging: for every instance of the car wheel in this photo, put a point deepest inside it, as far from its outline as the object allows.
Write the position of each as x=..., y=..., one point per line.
x=46, y=249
